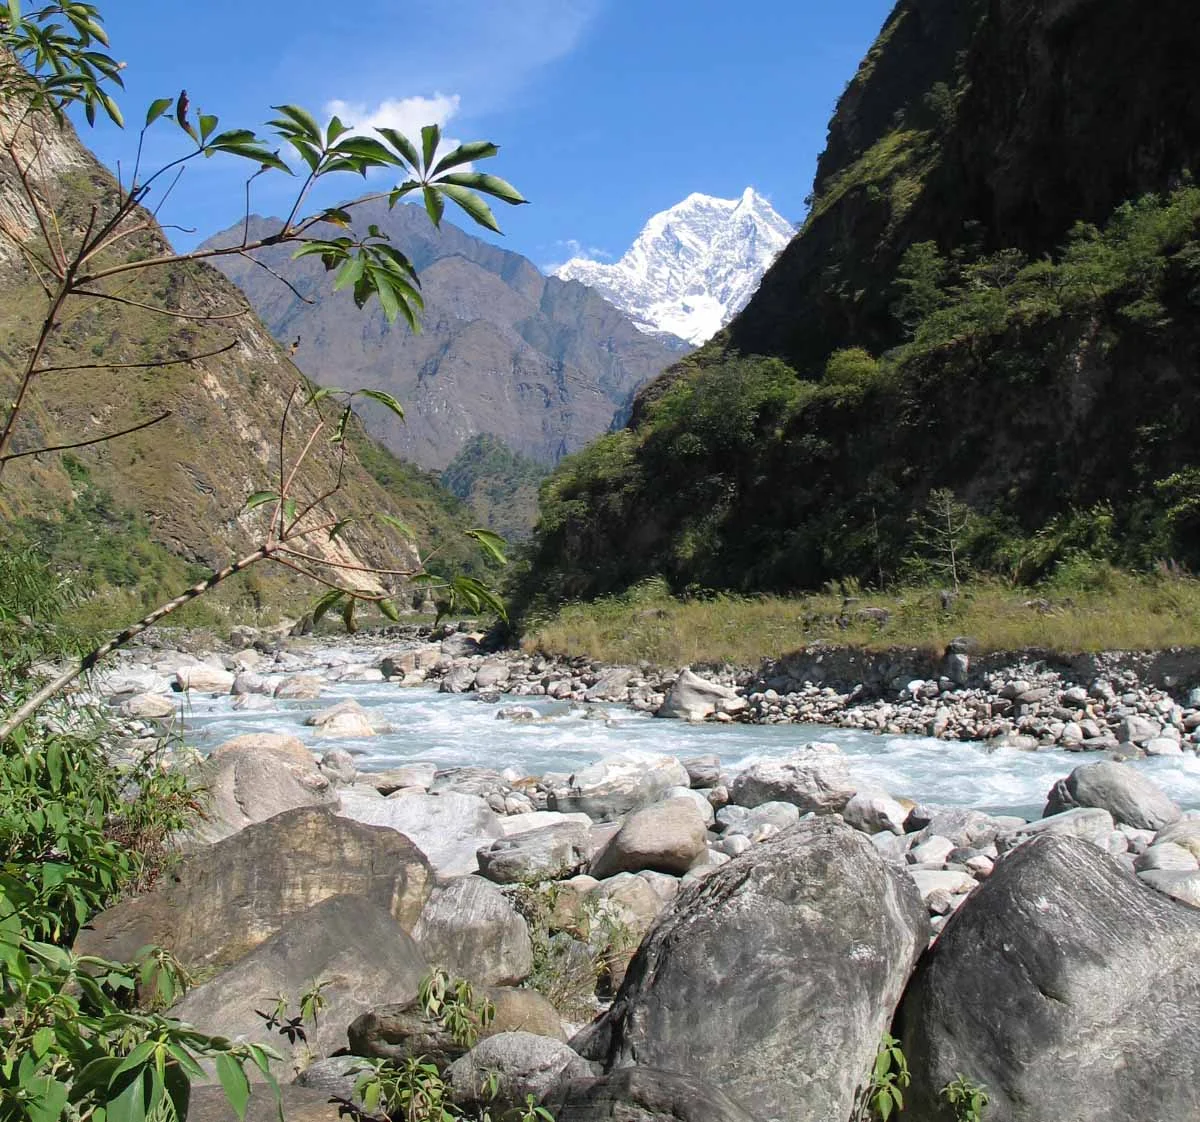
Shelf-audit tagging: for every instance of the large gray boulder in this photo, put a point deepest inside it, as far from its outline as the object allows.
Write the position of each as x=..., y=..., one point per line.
x=667, y=837
x=222, y=902
x=501, y=1070
x=254, y=777
x=615, y=785
x=643, y=1094
x=469, y=928
x=546, y=853
x=693, y=698
x=347, y=942
x=776, y=976
x=449, y=828
x=1128, y=795
x=814, y=778
x=1067, y=988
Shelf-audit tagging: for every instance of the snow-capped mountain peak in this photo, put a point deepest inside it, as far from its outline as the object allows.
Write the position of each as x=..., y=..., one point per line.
x=693, y=267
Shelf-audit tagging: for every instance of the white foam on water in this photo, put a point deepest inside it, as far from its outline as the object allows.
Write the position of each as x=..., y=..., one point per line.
x=457, y=730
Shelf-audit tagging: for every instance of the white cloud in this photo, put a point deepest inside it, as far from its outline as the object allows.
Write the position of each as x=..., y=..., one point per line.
x=567, y=249
x=405, y=114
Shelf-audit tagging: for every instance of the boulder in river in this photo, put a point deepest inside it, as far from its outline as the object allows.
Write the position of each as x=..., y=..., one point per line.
x=693, y=698
x=666, y=836
x=814, y=778
x=546, y=853
x=612, y=787
x=1067, y=988
x=1128, y=795
x=775, y=977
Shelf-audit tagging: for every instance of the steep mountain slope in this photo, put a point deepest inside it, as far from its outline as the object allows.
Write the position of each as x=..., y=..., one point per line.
x=693, y=267
x=539, y=363
x=186, y=479
x=941, y=321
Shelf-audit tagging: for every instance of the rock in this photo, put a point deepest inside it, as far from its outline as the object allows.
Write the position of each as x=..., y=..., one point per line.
x=949, y=881
x=393, y=1032
x=549, y=853
x=254, y=777
x=667, y=836
x=347, y=941
x=405, y=775
x=1091, y=823
x=339, y=767
x=963, y=826
x=703, y=771
x=203, y=679
x=1163, y=746
x=1128, y=795
x=934, y=850
x=299, y=687
x=241, y=636
x=147, y=707
x=874, y=811
x=1169, y=856
x=501, y=1070
x=345, y=720
x=1055, y=964
x=804, y=944
x=253, y=702
x=333, y=1075
x=459, y=679
x=517, y=713
x=449, y=829
x=611, y=685
x=642, y=1094
x=222, y=902
x=692, y=698
x=469, y=928
x=958, y=668
x=816, y=778
x=617, y=784
x=491, y=674
x=1184, y=832
x=207, y=1103
x=1180, y=884
x=742, y=820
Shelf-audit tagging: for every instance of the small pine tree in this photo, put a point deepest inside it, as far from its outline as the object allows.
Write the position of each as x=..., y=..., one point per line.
x=940, y=532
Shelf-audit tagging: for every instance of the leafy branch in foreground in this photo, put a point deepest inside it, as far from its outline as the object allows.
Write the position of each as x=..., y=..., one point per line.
x=52, y=60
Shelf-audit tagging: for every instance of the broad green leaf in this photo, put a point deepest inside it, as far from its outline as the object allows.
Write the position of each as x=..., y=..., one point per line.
x=14, y=13
x=431, y=137
x=336, y=216
x=465, y=153
x=157, y=108
x=389, y=609
x=234, y=1083
x=289, y=511
x=130, y=1104
x=335, y=531
x=307, y=152
x=367, y=147
x=386, y=400
x=302, y=121
x=396, y=524
x=384, y=289
x=471, y=203
x=349, y=274
x=259, y=498
x=348, y=615
x=435, y=206
x=405, y=188
x=401, y=144
x=47, y=1099
x=340, y=433
x=493, y=544
x=207, y=123
x=489, y=184
x=327, y=601
x=110, y=107
x=334, y=129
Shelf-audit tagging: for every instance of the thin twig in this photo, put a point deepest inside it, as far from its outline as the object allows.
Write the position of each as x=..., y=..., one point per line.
x=205, y=318
x=347, y=565
x=137, y=365
x=85, y=443
x=278, y=276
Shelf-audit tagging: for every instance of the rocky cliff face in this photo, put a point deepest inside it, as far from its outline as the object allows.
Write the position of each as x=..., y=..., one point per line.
x=537, y=362
x=941, y=321
x=189, y=476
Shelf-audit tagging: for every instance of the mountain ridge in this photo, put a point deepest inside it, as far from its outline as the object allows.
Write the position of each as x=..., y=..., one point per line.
x=693, y=266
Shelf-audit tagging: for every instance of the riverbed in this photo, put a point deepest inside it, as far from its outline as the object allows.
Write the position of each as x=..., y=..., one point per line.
x=460, y=730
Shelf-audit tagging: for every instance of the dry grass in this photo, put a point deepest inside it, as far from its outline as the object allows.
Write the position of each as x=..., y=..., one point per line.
x=1121, y=612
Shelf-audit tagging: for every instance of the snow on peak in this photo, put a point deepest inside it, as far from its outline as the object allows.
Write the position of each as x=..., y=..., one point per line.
x=693, y=267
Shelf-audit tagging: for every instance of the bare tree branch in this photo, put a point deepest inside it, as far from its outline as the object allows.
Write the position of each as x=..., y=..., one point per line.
x=85, y=443
x=155, y=364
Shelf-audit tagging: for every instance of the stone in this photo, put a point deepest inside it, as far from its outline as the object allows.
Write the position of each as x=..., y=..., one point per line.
x=203, y=679
x=345, y=720
x=347, y=941
x=934, y=850
x=1169, y=856
x=491, y=674
x=642, y=1094
x=517, y=713
x=458, y=679
x=248, y=682
x=333, y=1075
x=1129, y=796
x=404, y=775
x=549, y=853
x=501, y=1070
x=1057, y=963
x=962, y=825
x=1091, y=823
x=1184, y=832
x=629, y=900
x=615, y=785
x=254, y=777
x=958, y=668
x=253, y=703
x=147, y=707
x=692, y=698
x=339, y=767
x=299, y=687
x=207, y=1103
x=948, y=881
x=222, y=902
x=667, y=836
x=469, y=928
x=612, y=685
x=1163, y=746
x=875, y=811
x=703, y=771
x=698, y=799
x=448, y=828
x=1180, y=884
x=815, y=778
x=795, y=953
x=1138, y=730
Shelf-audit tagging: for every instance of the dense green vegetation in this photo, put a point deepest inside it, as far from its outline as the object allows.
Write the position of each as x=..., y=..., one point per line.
x=498, y=484
x=1054, y=399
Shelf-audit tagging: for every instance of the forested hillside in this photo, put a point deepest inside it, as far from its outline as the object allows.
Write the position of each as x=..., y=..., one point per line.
x=993, y=307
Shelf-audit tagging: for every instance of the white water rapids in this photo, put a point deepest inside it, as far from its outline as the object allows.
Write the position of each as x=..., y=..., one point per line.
x=457, y=730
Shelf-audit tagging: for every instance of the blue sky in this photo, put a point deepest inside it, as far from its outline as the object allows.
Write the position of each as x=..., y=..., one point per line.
x=606, y=111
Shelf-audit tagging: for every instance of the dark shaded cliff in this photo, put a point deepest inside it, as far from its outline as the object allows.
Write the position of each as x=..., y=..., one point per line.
x=941, y=321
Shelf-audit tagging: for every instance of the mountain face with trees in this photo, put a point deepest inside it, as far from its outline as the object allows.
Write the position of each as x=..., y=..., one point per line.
x=992, y=307
x=538, y=363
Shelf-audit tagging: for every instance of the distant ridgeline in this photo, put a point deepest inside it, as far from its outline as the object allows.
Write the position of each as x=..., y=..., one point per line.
x=498, y=484
x=994, y=301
